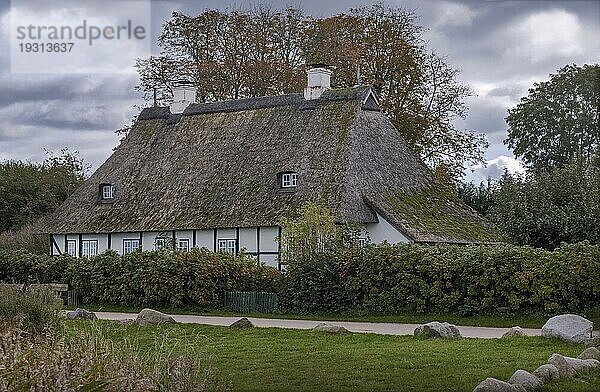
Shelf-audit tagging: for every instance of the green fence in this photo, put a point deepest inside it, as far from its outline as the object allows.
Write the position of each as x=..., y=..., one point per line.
x=249, y=302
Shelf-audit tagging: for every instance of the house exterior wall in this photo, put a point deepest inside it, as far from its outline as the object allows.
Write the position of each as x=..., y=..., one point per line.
x=384, y=231
x=260, y=242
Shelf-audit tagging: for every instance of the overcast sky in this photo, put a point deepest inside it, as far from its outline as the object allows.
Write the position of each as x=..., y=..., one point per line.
x=501, y=48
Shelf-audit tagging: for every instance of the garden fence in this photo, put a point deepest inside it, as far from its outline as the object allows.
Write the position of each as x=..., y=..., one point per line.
x=250, y=302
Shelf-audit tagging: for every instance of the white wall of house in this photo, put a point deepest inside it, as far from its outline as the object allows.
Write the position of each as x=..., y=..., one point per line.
x=259, y=242
x=384, y=231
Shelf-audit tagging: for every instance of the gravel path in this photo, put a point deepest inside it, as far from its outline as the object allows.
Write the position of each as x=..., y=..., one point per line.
x=354, y=326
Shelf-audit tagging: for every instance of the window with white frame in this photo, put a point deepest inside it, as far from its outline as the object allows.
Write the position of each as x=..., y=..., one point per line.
x=161, y=243
x=227, y=246
x=362, y=242
x=130, y=246
x=183, y=244
x=289, y=180
x=72, y=248
x=107, y=191
x=89, y=248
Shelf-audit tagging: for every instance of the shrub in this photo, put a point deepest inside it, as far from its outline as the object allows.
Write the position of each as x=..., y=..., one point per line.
x=159, y=278
x=446, y=278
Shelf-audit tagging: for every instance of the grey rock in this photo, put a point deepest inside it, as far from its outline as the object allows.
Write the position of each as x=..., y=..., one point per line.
x=81, y=314
x=530, y=382
x=335, y=329
x=582, y=366
x=565, y=370
x=493, y=385
x=436, y=329
x=594, y=341
x=547, y=373
x=242, y=323
x=126, y=321
x=568, y=327
x=590, y=353
x=514, y=331
x=153, y=317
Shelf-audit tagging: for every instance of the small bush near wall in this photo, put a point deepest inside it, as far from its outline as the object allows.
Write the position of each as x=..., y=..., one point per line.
x=164, y=278
x=445, y=278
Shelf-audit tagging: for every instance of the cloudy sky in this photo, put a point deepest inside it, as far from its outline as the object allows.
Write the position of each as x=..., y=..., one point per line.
x=501, y=48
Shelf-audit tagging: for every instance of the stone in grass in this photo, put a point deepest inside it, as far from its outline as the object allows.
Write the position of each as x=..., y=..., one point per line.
x=81, y=314
x=530, y=382
x=594, y=341
x=565, y=370
x=242, y=323
x=493, y=385
x=436, y=329
x=590, y=353
x=514, y=331
x=547, y=373
x=335, y=329
x=153, y=317
x=568, y=327
x=582, y=366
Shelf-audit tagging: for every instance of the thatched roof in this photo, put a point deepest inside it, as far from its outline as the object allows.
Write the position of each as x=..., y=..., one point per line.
x=216, y=165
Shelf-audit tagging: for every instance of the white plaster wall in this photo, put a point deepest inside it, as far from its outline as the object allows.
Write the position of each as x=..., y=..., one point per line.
x=384, y=231
x=148, y=238
x=248, y=239
x=185, y=235
x=228, y=233
x=270, y=260
x=117, y=240
x=205, y=239
x=268, y=241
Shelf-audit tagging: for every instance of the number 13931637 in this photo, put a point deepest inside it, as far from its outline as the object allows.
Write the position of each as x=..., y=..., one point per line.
x=46, y=47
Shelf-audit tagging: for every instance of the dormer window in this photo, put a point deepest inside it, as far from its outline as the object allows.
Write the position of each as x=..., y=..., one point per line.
x=107, y=191
x=289, y=180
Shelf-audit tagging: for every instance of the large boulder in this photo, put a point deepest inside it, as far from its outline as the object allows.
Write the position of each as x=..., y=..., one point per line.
x=590, y=353
x=242, y=323
x=568, y=327
x=530, y=382
x=153, y=317
x=514, y=331
x=547, y=372
x=493, y=385
x=335, y=329
x=81, y=314
x=435, y=329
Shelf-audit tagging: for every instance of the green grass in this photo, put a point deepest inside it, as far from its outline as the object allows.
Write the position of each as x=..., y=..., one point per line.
x=271, y=359
x=497, y=320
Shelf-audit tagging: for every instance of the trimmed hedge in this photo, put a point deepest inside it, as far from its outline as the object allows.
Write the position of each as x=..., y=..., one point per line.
x=161, y=278
x=382, y=279
x=467, y=280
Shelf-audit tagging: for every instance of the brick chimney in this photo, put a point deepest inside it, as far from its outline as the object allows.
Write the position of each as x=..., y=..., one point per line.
x=184, y=94
x=319, y=80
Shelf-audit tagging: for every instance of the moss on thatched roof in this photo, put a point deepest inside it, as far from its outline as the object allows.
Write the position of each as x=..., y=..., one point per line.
x=216, y=165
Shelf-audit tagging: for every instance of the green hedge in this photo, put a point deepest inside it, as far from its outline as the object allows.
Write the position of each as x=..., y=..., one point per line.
x=445, y=278
x=162, y=278
x=377, y=279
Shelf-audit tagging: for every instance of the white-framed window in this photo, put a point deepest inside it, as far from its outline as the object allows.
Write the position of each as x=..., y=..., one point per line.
x=183, y=244
x=362, y=242
x=89, y=248
x=72, y=248
x=289, y=180
x=130, y=246
x=227, y=246
x=108, y=192
x=161, y=243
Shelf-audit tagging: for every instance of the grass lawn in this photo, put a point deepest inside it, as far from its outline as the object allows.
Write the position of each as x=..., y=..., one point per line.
x=497, y=320
x=271, y=359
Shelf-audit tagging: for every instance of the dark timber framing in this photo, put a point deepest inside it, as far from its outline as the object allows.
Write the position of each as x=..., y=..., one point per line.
x=80, y=244
x=141, y=240
x=214, y=240
x=194, y=238
x=109, y=241
x=237, y=240
x=258, y=244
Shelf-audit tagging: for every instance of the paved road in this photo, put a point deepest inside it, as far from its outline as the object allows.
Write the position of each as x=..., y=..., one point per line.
x=354, y=326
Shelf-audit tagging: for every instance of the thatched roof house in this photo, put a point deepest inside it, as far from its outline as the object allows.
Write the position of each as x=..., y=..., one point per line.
x=222, y=174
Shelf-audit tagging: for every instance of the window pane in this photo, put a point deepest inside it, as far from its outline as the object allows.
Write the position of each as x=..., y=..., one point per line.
x=71, y=248
x=184, y=245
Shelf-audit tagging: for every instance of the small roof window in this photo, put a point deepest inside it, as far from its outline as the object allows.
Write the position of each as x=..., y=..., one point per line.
x=289, y=179
x=107, y=191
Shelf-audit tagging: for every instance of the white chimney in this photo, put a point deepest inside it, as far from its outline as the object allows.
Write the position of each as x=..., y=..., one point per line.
x=319, y=80
x=184, y=93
